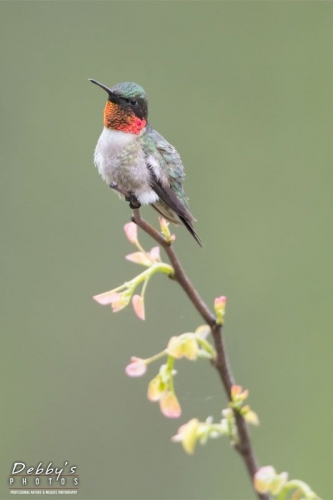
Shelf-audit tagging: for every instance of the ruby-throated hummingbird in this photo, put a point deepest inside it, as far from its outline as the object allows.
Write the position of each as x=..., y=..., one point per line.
x=136, y=160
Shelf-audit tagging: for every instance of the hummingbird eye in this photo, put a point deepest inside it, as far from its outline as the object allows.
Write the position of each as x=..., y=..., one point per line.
x=133, y=102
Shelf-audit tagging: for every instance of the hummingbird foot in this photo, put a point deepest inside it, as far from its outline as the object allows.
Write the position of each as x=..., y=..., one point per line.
x=133, y=202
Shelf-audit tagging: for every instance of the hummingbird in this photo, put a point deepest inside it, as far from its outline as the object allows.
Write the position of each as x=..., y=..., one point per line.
x=136, y=161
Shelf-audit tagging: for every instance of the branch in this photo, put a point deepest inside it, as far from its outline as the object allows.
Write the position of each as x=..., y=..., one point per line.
x=221, y=363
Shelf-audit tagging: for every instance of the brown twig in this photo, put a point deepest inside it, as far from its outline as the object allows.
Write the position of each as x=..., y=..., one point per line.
x=221, y=363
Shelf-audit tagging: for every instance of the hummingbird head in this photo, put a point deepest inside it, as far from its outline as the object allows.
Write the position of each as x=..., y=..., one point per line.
x=126, y=108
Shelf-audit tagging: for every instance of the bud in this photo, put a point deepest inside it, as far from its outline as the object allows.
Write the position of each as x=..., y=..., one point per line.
x=156, y=388
x=237, y=393
x=262, y=479
x=165, y=230
x=251, y=417
x=219, y=306
x=131, y=232
x=188, y=435
x=107, y=298
x=183, y=346
x=139, y=258
x=169, y=405
x=265, y=478
x=136, y=368
x=154, y=254
x=138, y=306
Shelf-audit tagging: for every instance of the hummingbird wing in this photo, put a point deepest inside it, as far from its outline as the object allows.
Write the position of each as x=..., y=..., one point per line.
x=170, y=200
x=167, y=175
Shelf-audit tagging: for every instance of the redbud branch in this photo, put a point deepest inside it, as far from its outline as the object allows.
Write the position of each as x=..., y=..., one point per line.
x=221, y=363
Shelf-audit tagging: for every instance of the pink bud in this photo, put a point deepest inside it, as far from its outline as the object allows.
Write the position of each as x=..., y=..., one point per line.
x=107, y=298
x=136, y=368
x=138, y=306
x=235, y=391
x=139, y=258
x=131, y=232
x=220, y=302
x=219, y=306
x=155, y=254
x=169, y=405
x=156, y=388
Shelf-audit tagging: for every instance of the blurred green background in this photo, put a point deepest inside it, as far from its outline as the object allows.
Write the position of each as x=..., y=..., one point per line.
x=244, y=91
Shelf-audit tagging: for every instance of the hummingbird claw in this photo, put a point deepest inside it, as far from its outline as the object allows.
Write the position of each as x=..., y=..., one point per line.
x=134, y=203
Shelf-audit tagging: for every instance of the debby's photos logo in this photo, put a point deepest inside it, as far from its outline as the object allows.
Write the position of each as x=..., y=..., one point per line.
x=43, y=480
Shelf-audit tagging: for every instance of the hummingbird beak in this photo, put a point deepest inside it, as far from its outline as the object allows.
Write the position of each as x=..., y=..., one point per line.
x=112, y=96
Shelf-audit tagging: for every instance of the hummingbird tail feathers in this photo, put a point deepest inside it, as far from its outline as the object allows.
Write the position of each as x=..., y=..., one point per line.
x=171, y=216
x=189, y=227
x=170, y=206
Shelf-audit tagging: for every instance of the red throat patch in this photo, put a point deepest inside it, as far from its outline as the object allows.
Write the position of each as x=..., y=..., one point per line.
x=116, y=118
